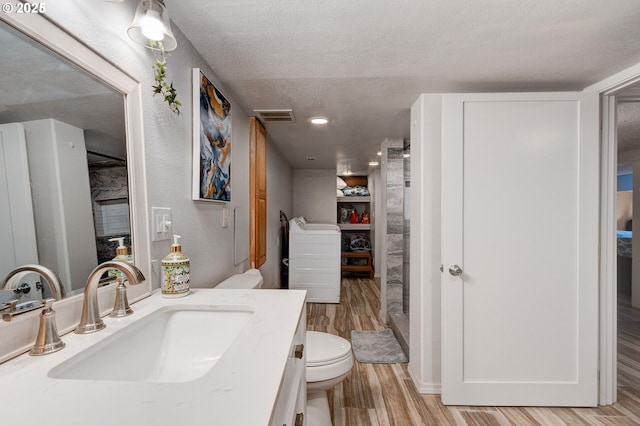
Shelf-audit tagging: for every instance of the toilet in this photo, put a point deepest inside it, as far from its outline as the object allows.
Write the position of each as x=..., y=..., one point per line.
x=329, y=357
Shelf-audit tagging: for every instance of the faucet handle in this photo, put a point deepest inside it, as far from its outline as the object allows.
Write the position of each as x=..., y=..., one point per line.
x=121, y=306
x=48, y=340
x=9, y=309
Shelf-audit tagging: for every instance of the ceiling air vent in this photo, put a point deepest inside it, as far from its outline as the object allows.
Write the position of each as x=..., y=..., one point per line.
x=275, y=115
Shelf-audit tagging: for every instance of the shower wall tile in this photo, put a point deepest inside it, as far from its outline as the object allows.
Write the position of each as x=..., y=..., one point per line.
x=394, y=256
x=394, y=269
x=394, y=297
x=406, y=284
x=108, y=182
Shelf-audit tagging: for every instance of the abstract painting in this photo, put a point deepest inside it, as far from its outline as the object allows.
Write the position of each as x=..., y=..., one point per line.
x=211, y=141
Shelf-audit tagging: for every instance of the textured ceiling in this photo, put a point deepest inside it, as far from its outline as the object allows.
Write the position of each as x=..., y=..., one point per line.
x=363, y=63
x=360, y=63
x=628, y=125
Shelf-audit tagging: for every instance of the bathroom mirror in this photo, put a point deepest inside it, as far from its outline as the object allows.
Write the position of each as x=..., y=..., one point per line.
x=67, y=184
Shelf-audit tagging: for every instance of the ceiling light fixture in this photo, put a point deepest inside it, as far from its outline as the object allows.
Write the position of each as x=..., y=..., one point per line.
x=379, y=152
x=374, y=163
x=151, y=26
x=319, y=120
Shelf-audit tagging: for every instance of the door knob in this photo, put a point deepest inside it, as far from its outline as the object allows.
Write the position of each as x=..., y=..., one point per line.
x=455, y=270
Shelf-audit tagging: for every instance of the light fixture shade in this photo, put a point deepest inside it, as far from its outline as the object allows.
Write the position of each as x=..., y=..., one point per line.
x=151, y=26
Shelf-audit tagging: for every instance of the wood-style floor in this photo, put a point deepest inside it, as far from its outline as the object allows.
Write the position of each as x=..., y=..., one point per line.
x=383, y=394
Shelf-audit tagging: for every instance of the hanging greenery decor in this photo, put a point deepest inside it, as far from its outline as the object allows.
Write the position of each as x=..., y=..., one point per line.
x=166, y=90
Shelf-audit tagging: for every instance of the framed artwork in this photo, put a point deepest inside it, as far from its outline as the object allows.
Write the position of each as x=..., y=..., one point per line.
x=211, y=141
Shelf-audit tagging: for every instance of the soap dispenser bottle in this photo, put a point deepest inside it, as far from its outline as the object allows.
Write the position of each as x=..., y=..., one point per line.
x=122, y=253
x=175, y=272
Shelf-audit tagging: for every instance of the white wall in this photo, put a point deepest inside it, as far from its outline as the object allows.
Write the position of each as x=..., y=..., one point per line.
x=278, y=198
x=168, y=138
x=314, y=195
x=426, y=136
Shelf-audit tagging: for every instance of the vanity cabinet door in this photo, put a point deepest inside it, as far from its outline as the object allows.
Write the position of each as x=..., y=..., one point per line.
x=290, y=408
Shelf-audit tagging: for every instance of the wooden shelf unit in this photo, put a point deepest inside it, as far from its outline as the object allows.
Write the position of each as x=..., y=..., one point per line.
x=355, y=226
x=354, y=199
x=360, y=203
x=368, y=268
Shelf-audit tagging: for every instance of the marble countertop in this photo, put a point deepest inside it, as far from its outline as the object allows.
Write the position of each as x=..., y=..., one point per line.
x=241, y=388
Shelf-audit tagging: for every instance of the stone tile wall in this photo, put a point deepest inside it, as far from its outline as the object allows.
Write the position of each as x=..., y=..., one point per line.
x=395, y=228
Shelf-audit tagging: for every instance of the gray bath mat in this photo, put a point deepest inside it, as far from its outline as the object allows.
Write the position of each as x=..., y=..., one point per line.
x=377, y=347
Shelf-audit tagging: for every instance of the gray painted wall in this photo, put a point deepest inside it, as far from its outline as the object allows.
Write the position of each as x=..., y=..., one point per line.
x=168, y=142
x=314, y=195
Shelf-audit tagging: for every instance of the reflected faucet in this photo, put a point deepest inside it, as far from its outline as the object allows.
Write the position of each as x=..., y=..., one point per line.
x=90, y=320
x=48, y=340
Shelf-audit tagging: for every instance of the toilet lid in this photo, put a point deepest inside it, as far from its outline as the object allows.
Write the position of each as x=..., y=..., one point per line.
x=325, y=348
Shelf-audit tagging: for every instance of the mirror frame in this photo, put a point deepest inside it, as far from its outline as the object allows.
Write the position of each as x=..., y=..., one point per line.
x=21, y=332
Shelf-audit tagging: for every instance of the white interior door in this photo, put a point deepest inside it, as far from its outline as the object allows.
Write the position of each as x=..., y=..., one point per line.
x=17, y=228
x=520, y=218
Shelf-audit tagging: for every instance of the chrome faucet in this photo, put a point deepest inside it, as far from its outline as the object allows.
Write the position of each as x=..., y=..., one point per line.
x=90, y=320
x=48, y=340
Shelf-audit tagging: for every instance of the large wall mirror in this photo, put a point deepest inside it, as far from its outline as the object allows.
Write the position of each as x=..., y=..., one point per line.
x=68, y=139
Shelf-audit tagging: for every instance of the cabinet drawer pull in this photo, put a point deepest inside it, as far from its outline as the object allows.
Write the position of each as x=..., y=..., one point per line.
x=298, y=351
x=299, y=418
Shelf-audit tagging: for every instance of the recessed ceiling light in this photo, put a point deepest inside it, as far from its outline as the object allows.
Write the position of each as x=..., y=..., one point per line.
x=347, y=173
x=319, y=120
x=379, y=152
x=374, y=163
x=406, y=155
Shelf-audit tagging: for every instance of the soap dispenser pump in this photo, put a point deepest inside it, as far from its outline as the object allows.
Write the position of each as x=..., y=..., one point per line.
x=175, y=271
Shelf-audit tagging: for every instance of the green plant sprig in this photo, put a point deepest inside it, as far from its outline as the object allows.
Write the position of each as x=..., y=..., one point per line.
x=166, y=90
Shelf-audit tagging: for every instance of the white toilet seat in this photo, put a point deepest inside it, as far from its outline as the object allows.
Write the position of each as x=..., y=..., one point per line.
x=328, y=356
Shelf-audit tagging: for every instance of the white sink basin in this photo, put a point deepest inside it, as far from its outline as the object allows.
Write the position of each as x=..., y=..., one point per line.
x=173, y=344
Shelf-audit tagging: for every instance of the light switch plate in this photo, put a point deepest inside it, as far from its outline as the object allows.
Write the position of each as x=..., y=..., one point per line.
x=161, y=224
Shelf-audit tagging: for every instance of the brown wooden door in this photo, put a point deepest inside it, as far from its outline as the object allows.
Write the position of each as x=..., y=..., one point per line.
x=258, y=194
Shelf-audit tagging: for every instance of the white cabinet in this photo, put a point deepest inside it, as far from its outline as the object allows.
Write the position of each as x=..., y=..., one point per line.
x=290, y=407
x=61, y=200
x=314, y=260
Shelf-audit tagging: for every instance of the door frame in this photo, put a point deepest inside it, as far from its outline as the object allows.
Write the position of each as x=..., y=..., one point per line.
x=608, y=88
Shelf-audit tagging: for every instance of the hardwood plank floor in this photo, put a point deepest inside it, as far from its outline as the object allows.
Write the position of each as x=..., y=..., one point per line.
x=384, y=395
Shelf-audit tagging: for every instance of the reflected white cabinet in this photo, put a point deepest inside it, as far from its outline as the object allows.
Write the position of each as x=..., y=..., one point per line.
x=290, y=408
x=61, y=200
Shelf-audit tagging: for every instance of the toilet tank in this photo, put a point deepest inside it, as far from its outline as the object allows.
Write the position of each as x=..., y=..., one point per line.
x=250, y=279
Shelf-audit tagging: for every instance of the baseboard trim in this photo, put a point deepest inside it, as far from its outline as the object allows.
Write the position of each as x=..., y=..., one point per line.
x=425, y=388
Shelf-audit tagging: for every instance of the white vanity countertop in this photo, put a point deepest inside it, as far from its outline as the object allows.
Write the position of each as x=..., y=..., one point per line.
x=241, y=388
